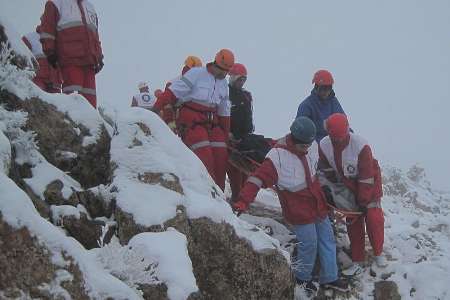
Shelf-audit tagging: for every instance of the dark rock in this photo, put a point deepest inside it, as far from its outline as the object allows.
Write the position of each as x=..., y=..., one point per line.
x=227, y=267
x=87, y=232
x=15, y=173
x=154, y=292
x=26, y=264
x=144, y=128
x=95, y=204
x=163, y=179
x=53, y=194
x=386, y=290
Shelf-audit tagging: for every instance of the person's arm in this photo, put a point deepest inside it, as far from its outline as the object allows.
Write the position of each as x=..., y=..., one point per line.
x=49, y=21
x=265, y=176
x=325, y=167
x=224, y=112
x=304, y=110
x=366, y=176
x=178, y=89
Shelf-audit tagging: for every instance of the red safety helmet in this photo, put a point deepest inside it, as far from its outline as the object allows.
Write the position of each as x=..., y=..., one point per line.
x=323, y=77
x=238, y=69
x=337, y=126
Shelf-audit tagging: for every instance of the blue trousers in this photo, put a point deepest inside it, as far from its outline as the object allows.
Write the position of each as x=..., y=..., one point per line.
x=312, y=239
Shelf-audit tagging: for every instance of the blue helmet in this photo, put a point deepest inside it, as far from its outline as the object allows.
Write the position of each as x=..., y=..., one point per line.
x=303, y=130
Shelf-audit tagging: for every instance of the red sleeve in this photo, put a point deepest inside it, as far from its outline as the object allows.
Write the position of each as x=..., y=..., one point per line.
x=27, y=42
x=366, y=175
x=167, y=97
x=326, y=167
x=49, y=21
x=265, y=176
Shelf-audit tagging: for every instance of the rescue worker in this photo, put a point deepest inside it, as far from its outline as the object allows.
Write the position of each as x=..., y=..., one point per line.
x=70, y=40
x=347, y=158
x=47, y=77
x=241, y=124
x=204, y=115
x=144, y=99
x=322, y=102
x=290, y=166
x=169, y=113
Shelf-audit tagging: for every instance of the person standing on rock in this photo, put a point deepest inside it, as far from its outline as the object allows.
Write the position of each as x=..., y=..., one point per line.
x=204, y=115
x=47, y=77
x=290, y=166
x=70, y=40
x=346, y=158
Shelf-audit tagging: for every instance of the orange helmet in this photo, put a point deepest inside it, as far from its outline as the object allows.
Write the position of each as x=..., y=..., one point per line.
x=224, y=59
x=323, y=77
x=192, y=61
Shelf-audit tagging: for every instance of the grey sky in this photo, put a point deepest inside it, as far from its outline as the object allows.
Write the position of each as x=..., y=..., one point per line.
x=390, y=60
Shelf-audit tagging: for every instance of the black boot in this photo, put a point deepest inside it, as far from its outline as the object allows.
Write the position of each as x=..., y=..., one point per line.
x=338, y=285
x=308, y=286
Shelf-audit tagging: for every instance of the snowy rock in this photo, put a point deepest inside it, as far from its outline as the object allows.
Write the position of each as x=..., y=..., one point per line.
x=53, y=194
x=98, y=201
x=28, y=271
x=225, y=264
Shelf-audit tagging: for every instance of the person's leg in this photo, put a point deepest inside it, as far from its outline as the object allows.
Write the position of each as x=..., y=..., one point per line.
x=235, y=177
x=327, y=251
x=89, y=89
x=197, y=140
x=375, y=229
x=220, y=155
x=306, y=251
x=73, y=79
x=356, y=233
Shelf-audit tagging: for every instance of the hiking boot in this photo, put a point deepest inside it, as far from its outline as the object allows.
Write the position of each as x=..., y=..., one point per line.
x=380, y=261
x=354, y=269
x=340, y=285
x=308, y=286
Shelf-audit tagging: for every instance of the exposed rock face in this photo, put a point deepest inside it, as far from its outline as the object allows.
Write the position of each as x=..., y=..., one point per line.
x=169, y=181
x=386, y=290
x=87, y=232
x=226, y=267
x=94, y=203
x=60, y=141
x=26, y=267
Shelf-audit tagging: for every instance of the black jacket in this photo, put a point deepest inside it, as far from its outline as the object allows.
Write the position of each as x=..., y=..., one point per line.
x=241, y=112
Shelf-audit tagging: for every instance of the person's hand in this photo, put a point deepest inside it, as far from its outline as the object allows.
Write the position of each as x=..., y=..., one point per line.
x=239, y=207
x=52, y=60
x=362, y=209
x=99, y=66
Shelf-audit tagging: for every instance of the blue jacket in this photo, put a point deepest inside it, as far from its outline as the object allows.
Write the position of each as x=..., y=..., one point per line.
x=319, y=110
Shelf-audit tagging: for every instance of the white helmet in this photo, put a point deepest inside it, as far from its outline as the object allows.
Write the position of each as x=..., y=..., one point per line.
x=142, y=85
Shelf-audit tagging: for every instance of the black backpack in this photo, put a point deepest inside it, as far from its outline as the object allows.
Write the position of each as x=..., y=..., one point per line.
x=254, y=146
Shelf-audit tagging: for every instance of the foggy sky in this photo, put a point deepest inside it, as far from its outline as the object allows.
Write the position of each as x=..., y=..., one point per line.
x=390, y=61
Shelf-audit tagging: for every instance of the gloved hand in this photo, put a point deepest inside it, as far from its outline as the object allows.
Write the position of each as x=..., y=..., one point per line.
x=239, y=207
x=52, y=60
x=362, y=209
x=99, y=66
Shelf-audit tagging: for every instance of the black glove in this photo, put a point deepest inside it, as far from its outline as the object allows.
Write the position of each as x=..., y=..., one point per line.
x=52, y=60
x=99, y=66
x=362, y=209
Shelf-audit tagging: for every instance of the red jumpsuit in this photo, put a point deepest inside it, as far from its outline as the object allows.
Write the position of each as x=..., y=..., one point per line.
x=47, y=77
x=352, y=163
x=204, y=117
x=69, y=31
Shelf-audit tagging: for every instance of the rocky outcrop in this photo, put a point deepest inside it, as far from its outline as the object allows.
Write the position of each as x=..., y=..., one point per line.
x=60, y=141
x=28, y=271
x=386, y=290
x=227, y=267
